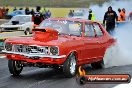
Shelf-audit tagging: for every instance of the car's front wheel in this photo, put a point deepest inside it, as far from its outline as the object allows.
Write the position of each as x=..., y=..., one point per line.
x=15, y=67
x=70, y=66
x=98, y=65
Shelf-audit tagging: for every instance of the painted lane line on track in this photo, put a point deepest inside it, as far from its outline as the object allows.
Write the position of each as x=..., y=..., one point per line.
x=129, y=85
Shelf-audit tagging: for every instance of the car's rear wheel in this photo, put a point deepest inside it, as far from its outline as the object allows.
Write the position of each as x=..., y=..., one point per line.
x=98, y=65
x=15, y=67
x=70, y=66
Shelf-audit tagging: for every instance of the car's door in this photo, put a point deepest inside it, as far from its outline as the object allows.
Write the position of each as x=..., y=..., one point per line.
x=90, y=43
x=100, y=39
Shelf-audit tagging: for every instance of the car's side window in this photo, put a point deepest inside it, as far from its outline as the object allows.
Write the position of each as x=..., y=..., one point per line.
x=98, y=30
x=75, y=29
x=89, y=30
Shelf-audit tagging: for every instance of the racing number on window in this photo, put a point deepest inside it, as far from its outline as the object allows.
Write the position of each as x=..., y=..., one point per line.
x=98, y=30
x=89, y=30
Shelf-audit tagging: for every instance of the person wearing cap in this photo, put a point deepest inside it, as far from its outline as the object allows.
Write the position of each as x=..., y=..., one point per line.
x=110, y=18
x=91, y=15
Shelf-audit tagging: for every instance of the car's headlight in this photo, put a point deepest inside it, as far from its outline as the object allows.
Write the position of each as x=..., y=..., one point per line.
x=54, y=50
x=8, y=46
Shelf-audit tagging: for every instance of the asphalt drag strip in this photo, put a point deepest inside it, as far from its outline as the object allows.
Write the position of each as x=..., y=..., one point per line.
x=32, y=77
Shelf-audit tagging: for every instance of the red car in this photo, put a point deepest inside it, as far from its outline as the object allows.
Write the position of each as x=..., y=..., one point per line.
x=64, y=43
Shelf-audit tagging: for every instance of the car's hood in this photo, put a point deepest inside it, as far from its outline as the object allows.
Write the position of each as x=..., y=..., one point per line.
x=31, y=41
x=48, y=38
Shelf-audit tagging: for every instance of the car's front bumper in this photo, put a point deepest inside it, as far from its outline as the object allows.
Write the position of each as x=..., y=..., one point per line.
x=34, y=55
x=35, y=58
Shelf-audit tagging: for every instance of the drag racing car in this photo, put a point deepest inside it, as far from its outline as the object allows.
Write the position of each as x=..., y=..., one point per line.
x=60, y=43
x=19, y=22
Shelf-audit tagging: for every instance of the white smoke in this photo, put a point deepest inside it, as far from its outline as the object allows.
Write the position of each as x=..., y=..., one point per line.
x=121, y=53
x=99, y=10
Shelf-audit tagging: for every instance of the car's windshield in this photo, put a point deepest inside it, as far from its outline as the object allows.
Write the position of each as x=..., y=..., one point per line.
x=63, y=26
x=21, y=19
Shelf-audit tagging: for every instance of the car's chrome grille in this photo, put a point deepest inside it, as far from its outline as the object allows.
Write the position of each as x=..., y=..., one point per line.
x=30, y=49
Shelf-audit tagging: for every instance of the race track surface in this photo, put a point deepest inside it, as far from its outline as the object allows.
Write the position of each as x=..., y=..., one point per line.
x=32, y=77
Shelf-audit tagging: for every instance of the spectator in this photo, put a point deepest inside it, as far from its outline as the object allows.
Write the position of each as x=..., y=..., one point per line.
x=121, y=15
x=14, y=9
x=32, y=12
x=91, y=15
x=7, y=10
x=27, y=11
x=44, y=13
x=73, y=11
x=124, y=11
x=48, y=14
x=38, y=17
x=70, y=14
x=3, y=12
x=0, y=13
x=21, y=9
x=110, y=17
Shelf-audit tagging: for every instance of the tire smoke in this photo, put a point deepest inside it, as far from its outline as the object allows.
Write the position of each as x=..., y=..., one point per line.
x=121, y=53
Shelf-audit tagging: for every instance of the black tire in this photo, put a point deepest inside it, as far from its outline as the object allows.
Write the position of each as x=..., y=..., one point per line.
x=27, y=31
x=98, y=65
x=67, y=69
x=15, y=67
